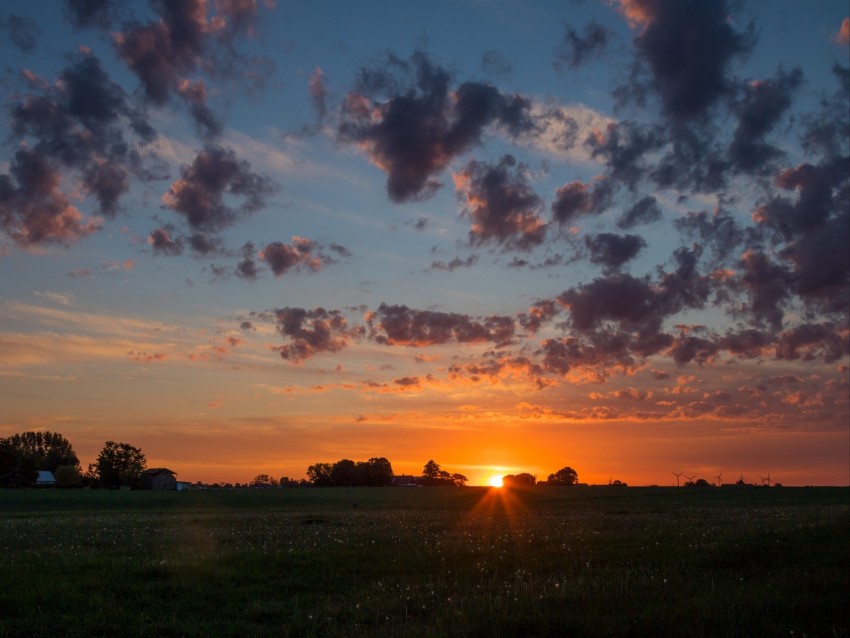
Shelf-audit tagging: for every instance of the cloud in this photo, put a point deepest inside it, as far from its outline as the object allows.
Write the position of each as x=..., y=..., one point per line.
x=624, y=148
x=185, y=40
x=500, y=204
x=688, y=46
x=421, y=124
x=454, y=264
x=577, y=199
x=163, y=244
x=759, y=111
x=199, y=193
x=311, y=332
x=612, y=251
x=301, y=254
x=577, y=48
x=33, y=210
x=23, y=31
x=400, y=325
x=83, y=122
x=88, y=13
x=644, y=211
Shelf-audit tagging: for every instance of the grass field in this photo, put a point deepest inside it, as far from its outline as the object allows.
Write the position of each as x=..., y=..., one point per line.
x=426, y=562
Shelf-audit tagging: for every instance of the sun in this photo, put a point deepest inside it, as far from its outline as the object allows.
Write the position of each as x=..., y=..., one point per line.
x=495, y=481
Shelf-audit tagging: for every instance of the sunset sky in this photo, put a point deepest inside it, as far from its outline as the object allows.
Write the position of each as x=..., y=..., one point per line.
x=508, y=236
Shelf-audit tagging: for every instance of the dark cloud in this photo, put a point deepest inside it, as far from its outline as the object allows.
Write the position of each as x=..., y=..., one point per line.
x=612, y=251
x=719, y=232
x=760, y=109
x=454, y=264
x=247, y=268
x=184, y=41
x=688, y=46
x=501, y=205
x=630, y=302
x=311, y=332
x=90, y=13
x=539, y=314
x=809, y=341
x=767, y=284
x=576, y=199
x=400, y=325
x=32, y=208
x=162, y=242
x=23, y=31
x=576, y=48
x=623, y=147
x=420, y=125
x=194, y=94
x=301, y=254
x=81, y=123
x=199, y=194
x=644, y=211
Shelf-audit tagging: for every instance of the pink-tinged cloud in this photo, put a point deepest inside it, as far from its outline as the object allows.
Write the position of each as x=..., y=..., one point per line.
x=311, y=332
x=33, y=210
x=400, y=325
x=500, y=204
x=299, y=255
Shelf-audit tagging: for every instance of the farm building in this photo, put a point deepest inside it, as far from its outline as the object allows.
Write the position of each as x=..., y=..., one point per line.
x=405, y=480
x=45, y=479
x=159, y=478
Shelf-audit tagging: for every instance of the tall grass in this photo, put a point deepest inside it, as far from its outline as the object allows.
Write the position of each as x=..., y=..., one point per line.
x=426, y=562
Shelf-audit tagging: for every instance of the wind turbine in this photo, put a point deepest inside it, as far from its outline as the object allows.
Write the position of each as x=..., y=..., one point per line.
x=677, y=474
x=766, y=480
x=690, y=479
x=719, y=478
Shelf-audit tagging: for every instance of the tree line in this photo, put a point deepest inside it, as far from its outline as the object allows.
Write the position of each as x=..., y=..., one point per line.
x=24, y=455
x=119, y=464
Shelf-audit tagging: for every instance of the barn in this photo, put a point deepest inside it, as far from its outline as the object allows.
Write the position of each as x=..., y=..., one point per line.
x=45, y=479
x=159, y=478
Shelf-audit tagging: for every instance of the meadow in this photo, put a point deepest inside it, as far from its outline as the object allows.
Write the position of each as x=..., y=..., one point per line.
x=579, y=561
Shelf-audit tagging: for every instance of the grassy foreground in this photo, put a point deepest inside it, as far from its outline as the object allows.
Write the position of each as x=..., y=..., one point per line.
x=426, y=562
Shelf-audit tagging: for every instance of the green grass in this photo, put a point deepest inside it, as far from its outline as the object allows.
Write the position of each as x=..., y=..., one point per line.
x=426, y=562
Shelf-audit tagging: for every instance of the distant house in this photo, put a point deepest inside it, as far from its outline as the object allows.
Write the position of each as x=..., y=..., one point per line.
x=159, y=478
x=182, y=486
x=45, y=479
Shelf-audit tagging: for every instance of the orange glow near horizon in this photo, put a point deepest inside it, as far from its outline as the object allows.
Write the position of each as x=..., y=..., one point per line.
x=495, y=481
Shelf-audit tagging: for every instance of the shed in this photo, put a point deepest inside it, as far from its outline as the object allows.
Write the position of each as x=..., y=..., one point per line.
x=45, y=479
x=159, y=478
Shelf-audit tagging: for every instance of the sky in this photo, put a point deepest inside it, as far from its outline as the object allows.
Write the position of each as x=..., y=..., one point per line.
x=508, y=236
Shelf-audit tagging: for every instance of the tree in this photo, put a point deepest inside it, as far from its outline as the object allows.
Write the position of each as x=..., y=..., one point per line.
x=459, y=479
x=263, y=480
x=320, y=474
x=431, y=470
x=120, y=464
x=24, y=454
x=564, y=476
x=68, y=476
x=17, y=469
x=378, y=472
x=519, y=480
x=343, y=473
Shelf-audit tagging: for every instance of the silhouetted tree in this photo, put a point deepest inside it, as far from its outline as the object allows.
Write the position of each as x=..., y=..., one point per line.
x=459, y=479
x=343, y=473
x=68, y=476
x=120, y=464
x=263, y=480
x=564, y=476
x=519, y=480
x=17, y=469
x=24, y=454
x=431, y=470
x=320, y=474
